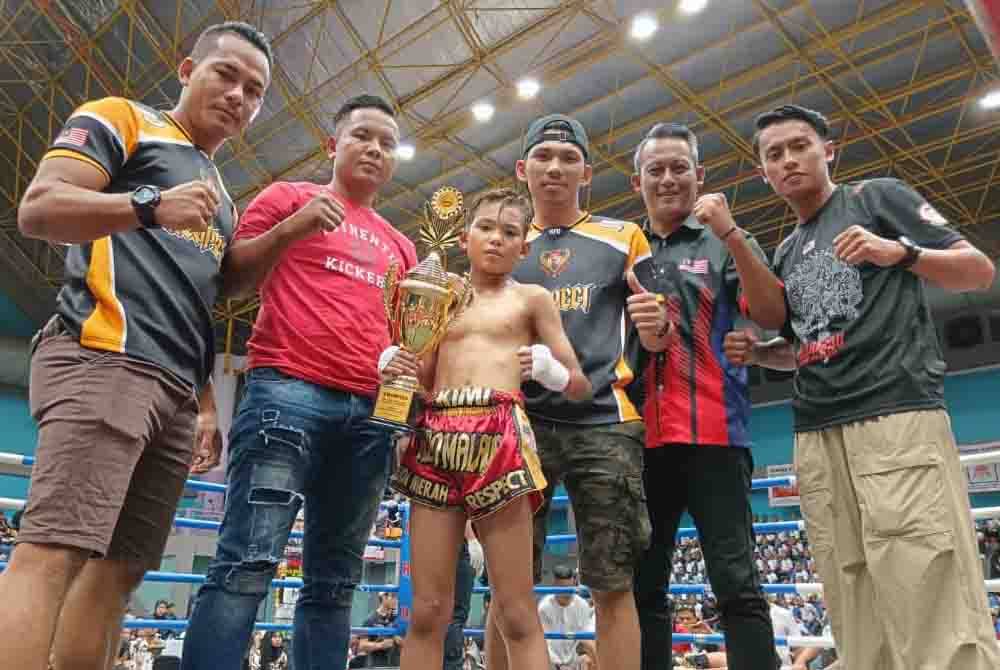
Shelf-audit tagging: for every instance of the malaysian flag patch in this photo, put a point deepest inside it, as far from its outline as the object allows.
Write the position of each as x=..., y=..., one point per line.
x=73, y=136
x=698, y=267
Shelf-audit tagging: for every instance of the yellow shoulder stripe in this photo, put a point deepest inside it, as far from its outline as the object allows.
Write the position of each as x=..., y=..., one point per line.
x=118, y=116
x=69, y=153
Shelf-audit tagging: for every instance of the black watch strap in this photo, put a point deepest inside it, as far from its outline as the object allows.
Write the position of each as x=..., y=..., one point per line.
x=145, y=199
x=912, y=253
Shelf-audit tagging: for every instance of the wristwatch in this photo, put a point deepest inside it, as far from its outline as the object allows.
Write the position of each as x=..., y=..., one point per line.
x=912, y=253
x=144, y=201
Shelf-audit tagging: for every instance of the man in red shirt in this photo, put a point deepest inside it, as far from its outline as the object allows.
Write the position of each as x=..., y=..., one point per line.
x=318, y=254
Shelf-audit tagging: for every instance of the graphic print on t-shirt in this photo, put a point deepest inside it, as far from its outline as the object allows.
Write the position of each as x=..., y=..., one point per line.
x=864, y=335
x=822, y=291
x=321, y=317
x=583, y=267
x=554, y=262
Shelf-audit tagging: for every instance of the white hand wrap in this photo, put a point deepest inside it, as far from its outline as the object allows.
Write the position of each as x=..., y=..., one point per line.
x=386, y=356
x=546, y=370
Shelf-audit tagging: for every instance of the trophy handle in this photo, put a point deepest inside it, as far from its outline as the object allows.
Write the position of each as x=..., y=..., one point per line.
x=390, y=299
x=462, y=295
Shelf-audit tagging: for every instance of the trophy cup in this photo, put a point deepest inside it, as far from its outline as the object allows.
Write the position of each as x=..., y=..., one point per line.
x=420, y=306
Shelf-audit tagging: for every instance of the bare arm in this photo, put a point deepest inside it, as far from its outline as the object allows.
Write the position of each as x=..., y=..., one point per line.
x=206, y=398
x=961, y=267
x=549, y=331
x=208, y=438
x=65, y=204
x=763, y=291
x=248, y=262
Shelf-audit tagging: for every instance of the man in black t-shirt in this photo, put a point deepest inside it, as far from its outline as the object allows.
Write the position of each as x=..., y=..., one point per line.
x=881, y=487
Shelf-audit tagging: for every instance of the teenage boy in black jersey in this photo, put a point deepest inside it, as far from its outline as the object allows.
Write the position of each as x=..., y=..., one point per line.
x=881, y=487
x=595, y=448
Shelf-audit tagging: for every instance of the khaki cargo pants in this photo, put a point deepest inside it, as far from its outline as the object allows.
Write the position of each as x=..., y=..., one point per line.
x=888, y=519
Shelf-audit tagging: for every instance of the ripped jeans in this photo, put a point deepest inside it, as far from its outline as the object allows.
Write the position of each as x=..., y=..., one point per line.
x=292, y=442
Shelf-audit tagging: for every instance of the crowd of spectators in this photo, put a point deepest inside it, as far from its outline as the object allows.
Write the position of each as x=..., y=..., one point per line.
x=782, y=558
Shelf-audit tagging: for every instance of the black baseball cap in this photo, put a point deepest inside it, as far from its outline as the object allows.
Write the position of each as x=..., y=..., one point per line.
x=556, y=128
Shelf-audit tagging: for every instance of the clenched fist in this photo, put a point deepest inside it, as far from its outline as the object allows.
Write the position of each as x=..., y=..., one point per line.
x=739, y=347
x=189, y=206
x=858, y=245
x=323, y=213
x=712, y=211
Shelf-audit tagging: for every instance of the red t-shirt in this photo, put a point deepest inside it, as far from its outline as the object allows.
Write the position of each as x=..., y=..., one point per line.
x=321, y=316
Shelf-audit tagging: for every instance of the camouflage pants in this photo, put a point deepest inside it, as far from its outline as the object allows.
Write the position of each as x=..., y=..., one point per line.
x=602, y=469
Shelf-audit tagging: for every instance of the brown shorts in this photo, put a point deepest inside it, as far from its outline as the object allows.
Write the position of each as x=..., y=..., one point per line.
x=115, y=443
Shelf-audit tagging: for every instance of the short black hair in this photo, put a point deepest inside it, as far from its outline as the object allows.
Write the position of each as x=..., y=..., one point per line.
x=238, y=28
x=507, y=197
x=816, y=120
x=662, y=131
x=562, y=572
x=364, y=101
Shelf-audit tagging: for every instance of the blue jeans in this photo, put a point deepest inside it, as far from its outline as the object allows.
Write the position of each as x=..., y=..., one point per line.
x=292, y=442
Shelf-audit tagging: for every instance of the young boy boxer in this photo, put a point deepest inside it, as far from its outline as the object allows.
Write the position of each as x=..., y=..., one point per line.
x=474, y=454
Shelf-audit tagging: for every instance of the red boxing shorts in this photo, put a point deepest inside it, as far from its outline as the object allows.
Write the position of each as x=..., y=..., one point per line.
x=473, y=450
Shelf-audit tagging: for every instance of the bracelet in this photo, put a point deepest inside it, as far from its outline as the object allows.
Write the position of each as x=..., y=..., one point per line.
x=728, y=233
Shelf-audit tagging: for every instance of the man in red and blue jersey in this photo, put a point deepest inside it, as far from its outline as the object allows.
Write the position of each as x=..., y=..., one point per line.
x=694, y=402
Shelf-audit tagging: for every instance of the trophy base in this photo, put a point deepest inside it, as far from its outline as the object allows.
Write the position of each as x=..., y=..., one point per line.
x=397, y=405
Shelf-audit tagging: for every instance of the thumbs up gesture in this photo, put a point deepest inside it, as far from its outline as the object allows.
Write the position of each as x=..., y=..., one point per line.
x=648, y=312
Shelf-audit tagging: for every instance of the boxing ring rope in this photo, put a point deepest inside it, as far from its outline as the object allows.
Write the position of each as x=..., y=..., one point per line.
x=19, y=465
x=24, y=463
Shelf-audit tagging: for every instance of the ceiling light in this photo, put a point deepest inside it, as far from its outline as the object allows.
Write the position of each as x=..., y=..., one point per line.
x=528, y=88
x=692, y=6
x=483, y=111
x=643, y=26
x=405, y=152
x=990, y=100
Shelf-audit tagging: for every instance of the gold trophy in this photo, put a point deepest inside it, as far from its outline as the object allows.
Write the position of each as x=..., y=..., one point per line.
x=420, y=306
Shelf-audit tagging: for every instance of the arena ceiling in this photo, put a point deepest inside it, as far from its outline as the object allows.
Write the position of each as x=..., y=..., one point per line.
x=901, y=81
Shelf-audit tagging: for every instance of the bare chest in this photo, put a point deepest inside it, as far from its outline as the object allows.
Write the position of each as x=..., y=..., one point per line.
x=493, y=318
